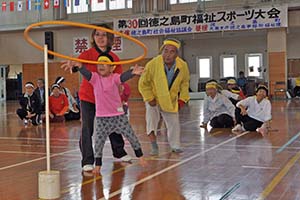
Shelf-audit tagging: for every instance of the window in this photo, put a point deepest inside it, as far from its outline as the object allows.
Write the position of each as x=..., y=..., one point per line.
x=69, y=7
x=98, y=5
x=254, y=64
x=228, y=66
x=204, y=67
x=116, y=4
x=81, y=7
x=185, y=1
x=129, y=3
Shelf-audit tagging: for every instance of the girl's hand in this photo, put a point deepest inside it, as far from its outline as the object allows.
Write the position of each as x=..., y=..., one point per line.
x=137, y=70
x=67, y=65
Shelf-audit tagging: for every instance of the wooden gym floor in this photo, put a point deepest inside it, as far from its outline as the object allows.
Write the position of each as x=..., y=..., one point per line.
x=215, y=164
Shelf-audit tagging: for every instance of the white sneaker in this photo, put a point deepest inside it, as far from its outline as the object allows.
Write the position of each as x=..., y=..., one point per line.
x=126, y=158
x=237, y=128
x=87, y=168
x=25, y=121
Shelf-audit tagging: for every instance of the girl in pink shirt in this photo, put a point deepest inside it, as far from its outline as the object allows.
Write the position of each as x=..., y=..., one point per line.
x=110, y=115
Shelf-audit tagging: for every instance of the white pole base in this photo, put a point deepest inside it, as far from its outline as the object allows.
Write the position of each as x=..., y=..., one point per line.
x=49, y=184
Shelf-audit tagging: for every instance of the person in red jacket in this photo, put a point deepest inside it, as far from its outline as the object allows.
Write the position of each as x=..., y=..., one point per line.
x=125, y=93
x=101, y=43
x=58, y=104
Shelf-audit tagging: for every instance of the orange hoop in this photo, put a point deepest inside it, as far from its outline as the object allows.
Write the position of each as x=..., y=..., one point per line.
x=76, y=24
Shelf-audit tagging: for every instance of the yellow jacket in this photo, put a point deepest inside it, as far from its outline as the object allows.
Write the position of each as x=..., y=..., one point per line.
x=153, y=84
x=297, y=81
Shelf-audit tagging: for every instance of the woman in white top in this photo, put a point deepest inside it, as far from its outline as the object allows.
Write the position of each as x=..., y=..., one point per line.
x=254, y=113
x=217, y=108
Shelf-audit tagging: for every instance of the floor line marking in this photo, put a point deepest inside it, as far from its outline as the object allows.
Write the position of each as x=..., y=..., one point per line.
x=288, y=143
x=270, y=187
x=34, y=160
x=116, y=171
x=38, y=139
x=23, y=152
x=289, y=185
x=175, y=165
x=230, y=191
x=259, y=167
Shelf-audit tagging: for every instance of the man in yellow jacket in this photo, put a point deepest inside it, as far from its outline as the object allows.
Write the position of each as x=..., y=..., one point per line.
x=164, y=86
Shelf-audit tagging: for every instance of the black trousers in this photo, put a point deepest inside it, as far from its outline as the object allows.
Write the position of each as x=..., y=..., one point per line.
x=297, y=91
x=22, y=113
x=222, y=121
x=72, y=116
x=88, y=111
x=249, y=123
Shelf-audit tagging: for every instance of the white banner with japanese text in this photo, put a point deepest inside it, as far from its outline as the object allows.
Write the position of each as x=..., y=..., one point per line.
x=227, y=20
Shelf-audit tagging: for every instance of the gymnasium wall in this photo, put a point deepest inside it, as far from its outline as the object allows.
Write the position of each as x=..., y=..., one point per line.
x=15, y=50
x=31, y=72
x=293, y=43
x=231, y=45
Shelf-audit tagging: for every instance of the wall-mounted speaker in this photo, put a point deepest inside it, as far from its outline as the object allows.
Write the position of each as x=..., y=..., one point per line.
x=49, y=42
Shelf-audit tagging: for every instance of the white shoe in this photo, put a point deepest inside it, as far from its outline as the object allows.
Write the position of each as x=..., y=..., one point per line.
x=126, y=158
x=263, y=131
x=87, y=168
x=237, y=128
x=25, y=121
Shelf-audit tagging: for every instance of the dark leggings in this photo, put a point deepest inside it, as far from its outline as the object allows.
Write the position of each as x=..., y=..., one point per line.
x=297, y=91
x=249, y=123
x=85, y=143
x=22, y=113
x=72, y=116
x=222, y=121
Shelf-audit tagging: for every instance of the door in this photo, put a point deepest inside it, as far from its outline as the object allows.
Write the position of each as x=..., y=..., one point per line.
x=2, y=83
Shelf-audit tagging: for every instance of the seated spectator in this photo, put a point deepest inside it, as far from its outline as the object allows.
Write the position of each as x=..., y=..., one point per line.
x=254, y=113
x=40, y=93
x=233, y=92
x=30, y=106
x=217, y=108
x=242, y=81
x=58, y=104
x=297, y=87
x=73, y=112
